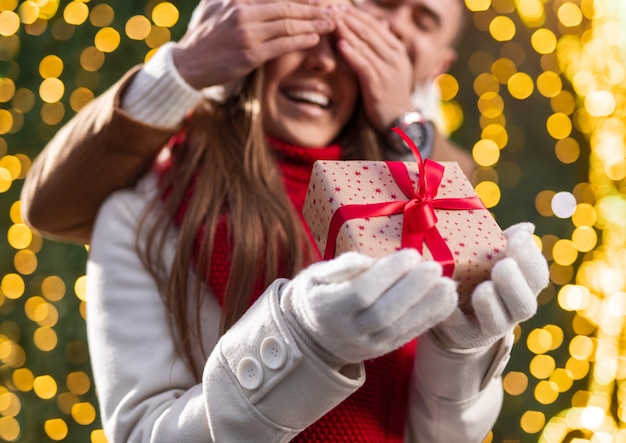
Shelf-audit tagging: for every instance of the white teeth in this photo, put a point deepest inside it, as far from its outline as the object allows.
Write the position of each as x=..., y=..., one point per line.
x=315, y=98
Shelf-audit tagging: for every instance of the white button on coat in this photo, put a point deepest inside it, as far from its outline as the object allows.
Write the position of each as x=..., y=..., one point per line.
x=273, y=352
x=250, y=373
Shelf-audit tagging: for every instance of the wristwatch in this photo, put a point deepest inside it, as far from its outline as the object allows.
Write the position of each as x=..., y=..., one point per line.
x=420, y=130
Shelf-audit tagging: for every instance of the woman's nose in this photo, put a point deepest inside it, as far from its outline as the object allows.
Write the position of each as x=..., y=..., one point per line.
x=322, y=57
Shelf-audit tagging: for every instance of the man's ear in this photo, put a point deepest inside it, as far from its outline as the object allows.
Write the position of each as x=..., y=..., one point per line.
x=447, y=59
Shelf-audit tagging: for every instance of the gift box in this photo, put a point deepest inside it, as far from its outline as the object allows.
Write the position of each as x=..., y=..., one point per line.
x=378, y=208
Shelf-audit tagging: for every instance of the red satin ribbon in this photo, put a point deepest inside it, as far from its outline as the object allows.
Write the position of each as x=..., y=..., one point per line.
x=419, y=218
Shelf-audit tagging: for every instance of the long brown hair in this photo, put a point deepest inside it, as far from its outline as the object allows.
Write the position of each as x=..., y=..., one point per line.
x=233, y=170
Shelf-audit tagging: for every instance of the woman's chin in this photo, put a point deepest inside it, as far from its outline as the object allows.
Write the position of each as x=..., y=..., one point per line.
x=306, y=137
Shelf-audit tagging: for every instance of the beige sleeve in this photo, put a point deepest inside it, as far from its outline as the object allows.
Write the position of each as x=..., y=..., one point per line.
x=101, y=149
x=444, y=150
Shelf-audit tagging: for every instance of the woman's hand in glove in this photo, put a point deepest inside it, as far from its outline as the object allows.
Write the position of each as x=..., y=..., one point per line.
x=356, y=308
x=508, y=298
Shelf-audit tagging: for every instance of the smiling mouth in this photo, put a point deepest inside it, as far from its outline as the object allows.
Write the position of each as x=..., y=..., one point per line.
x=308, y=97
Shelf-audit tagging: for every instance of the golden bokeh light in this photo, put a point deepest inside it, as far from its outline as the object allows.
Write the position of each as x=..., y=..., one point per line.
x=52, y=113
x=496, y=133
x=515, y=383
x=489, y=193
x=83, y=413
x=102, y=15
x=567, y=150
x=53, y=288
x=542, y=366
x=531, y=12
x=544, y=41
x=502, y=28
x=491, y=105
x=28, y=12
x=45, y=387
x=23, y=379
x=138, y=27
x=7, y=89
x=6, y=123
x=51, y=90
x=9, y=428
x=9, y=23
x=520, y=85
x=107, y=39
x=478, y=5
x=76, y=12
x=486, y=152
x=546, y=392
x=56, y=429
x=503, y=69
x=532, y=421
x=12, y=286
x=91, y=59
x=448, y=86
x=165, y=15
x=569, y=14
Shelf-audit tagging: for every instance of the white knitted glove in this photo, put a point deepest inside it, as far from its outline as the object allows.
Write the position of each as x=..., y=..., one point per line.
x=356, y=308
x=508, y=298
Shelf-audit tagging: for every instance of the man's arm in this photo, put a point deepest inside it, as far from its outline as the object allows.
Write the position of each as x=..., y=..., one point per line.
x=445, y=150
x=104, y=148
x=100, y=150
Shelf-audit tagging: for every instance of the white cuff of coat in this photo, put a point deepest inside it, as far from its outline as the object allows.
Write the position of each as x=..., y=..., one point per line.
x=459, y=375
x=271, y=368
x=158, y=95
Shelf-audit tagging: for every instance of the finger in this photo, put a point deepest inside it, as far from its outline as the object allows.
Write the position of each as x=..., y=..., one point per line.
x=519, y=227
x=491, y=314
x=436, y=306
x=360, y=58
x=374, y=32
x=266, y=31
x=514, y=292
x=413, y=288
x=522, y=248
x=270, y=39
x=273, y=10
x=343, y=268
x=384, y=273
x=366, y=50
x=274, y=48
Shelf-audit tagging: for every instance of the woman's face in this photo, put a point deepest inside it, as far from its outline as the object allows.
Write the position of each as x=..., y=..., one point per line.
x=308, y=96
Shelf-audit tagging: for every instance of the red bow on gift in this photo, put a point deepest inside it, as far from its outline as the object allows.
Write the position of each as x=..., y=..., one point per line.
x=419, y=219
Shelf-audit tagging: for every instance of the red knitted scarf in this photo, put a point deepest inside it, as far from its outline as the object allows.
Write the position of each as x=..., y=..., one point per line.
x=377, y=412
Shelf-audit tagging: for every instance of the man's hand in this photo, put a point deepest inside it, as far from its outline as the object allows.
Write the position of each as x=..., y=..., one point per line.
x=228, y=39
x=381, y=64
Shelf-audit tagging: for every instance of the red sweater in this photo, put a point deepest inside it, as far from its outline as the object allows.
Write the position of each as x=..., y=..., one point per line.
x=376, y=413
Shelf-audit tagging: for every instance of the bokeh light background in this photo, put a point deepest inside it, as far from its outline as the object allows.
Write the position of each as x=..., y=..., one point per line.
x=538, y=96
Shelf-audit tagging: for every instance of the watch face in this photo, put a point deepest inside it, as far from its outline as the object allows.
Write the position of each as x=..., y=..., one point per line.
x=422, y=135
x=420, y=132
x=417, y=133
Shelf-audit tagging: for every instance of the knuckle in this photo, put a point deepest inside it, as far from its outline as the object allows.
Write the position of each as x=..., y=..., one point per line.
x=249, y=58
x=237, y=15
x=289, y=27
x=245, y=38
x=287, y=9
